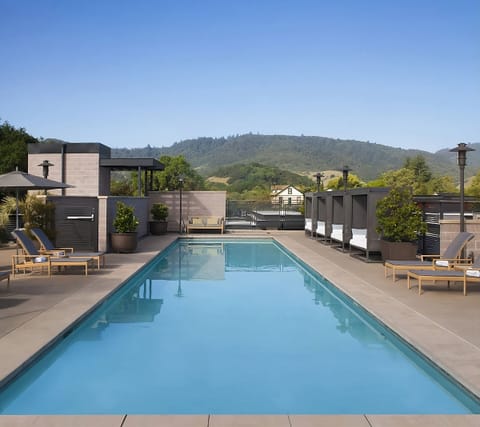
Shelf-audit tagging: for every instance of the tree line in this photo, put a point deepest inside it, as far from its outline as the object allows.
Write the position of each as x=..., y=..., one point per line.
x=251, y=180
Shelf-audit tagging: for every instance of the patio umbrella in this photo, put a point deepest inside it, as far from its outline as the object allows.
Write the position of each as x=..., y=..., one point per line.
x=22, y=181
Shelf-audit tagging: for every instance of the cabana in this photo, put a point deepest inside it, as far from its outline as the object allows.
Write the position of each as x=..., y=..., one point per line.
x=361, y=216
x=309, y=198
x=337, y=218
x=321, y=214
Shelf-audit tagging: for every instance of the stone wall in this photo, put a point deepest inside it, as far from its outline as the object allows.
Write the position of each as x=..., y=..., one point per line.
x=206, y=203
x=450, y=228
x=82, y=171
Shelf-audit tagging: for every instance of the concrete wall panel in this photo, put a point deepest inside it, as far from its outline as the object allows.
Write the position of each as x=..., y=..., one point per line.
x=207, y=203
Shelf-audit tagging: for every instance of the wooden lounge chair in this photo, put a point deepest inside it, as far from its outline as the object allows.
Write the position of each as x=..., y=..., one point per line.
x=450, y=256
x=5, y=275
x=32, y=259
x=463, y=274
x=47, y=247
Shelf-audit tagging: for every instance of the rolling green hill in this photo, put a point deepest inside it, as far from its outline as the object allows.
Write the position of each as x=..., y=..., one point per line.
x=243, y=177
x=304, y=155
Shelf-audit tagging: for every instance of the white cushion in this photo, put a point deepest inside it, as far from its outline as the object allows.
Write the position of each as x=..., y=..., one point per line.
x=308, y=224
x=337, y=232
x=359, y=241
x=359, y=232
x=441, y=263
x=473, y=273
x=320, y=228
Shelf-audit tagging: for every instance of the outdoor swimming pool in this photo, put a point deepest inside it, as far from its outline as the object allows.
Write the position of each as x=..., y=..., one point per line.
x=231, y=327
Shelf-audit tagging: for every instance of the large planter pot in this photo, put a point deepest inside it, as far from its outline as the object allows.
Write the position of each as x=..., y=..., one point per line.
x=158, y=227
x=398, y=250
x=124, y=242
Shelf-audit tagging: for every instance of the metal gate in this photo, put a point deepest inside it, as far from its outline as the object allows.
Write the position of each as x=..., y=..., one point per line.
x=76, y=222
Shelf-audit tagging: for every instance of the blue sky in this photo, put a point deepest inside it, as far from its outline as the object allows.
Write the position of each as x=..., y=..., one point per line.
x=128, y=73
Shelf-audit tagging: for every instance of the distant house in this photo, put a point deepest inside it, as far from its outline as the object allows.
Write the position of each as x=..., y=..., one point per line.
x=286, y=195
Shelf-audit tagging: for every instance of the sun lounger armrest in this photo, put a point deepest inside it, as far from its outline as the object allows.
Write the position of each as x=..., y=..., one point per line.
x=450, y=262
x=69, y=250
x=460, y=261
x=463, y=267
x=57, y=249
x=24, y=258
x=429, y=257
x=57, y=252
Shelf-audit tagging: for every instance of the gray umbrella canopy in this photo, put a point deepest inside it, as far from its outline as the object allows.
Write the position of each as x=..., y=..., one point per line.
x=18, y=180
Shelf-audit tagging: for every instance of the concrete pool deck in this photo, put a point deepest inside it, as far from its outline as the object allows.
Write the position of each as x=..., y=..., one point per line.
x=442, y=323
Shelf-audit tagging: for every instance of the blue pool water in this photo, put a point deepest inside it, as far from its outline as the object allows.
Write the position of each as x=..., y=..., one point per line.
x=231, y=327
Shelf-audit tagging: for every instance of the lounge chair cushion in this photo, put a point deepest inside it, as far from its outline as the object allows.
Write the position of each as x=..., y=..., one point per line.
x=441, y=263
x=213, y=220
x=320, y=228
x=359, y=238
x=414, y=263
x=337, y=232
x=473, y=273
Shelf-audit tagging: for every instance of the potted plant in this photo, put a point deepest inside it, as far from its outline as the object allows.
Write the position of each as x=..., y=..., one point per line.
x=400, y=222
x=125, y=223
x=158, y=224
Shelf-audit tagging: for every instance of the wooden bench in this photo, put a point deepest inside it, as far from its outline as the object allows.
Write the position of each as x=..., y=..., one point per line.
x=205, y=223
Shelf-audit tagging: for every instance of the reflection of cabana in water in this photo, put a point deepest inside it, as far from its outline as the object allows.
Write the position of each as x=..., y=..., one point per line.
x=135, y=306
x=362, y=220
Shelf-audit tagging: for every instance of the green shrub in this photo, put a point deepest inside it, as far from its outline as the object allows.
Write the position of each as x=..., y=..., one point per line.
x=159, y=211
x=399, y=218
x=125, y=220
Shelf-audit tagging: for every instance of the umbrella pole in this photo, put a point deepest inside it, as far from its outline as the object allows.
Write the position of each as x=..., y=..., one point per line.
x=16, y=213
x=16, y=217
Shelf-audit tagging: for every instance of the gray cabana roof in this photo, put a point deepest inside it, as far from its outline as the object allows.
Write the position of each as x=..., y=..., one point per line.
x=132, y=163
x=147, y=165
